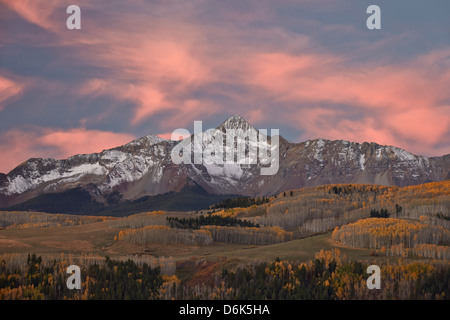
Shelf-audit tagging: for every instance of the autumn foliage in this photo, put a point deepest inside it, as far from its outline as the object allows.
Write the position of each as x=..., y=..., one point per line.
x=376, y=233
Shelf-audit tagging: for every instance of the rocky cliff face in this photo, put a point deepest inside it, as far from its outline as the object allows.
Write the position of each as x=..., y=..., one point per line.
x=145, y=167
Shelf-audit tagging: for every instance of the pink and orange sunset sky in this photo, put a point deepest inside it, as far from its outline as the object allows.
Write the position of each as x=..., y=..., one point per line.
x=309, y=68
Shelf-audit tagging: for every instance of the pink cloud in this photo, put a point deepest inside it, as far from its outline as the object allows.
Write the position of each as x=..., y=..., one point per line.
x=323, y=123
x=402, y=105
x=405, y=104
x=17, y=145
x=147, y=98
x=168, y=136
x=189, y=111
x=325, y=78
x=397, y=130
x=35, y=11
x=426, y=126
x=8, y=90
x=154, y=70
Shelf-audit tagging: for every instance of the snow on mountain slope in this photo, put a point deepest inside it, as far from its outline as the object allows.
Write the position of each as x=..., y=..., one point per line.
x=118, y=164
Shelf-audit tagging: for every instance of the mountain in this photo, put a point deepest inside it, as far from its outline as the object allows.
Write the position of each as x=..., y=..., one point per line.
x=144, y=167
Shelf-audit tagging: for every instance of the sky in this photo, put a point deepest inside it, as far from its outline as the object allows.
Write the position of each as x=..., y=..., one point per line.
x=310, y=68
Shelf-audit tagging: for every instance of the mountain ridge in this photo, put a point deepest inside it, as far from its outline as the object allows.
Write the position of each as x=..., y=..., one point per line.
x=143, y=167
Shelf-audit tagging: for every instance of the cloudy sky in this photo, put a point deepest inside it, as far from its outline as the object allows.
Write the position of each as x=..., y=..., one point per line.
x=310, y=68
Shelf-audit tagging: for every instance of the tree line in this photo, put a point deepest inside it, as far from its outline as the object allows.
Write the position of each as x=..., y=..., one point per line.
x=242, y=202
x=202, y=220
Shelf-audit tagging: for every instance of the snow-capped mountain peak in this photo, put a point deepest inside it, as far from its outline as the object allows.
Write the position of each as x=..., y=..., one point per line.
x=144, y=167
x=236, y=122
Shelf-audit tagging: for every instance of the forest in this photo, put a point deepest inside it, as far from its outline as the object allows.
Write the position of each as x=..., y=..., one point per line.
x=378, y=233
x=321, y=209
x=330, y=276
x=109, y=279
